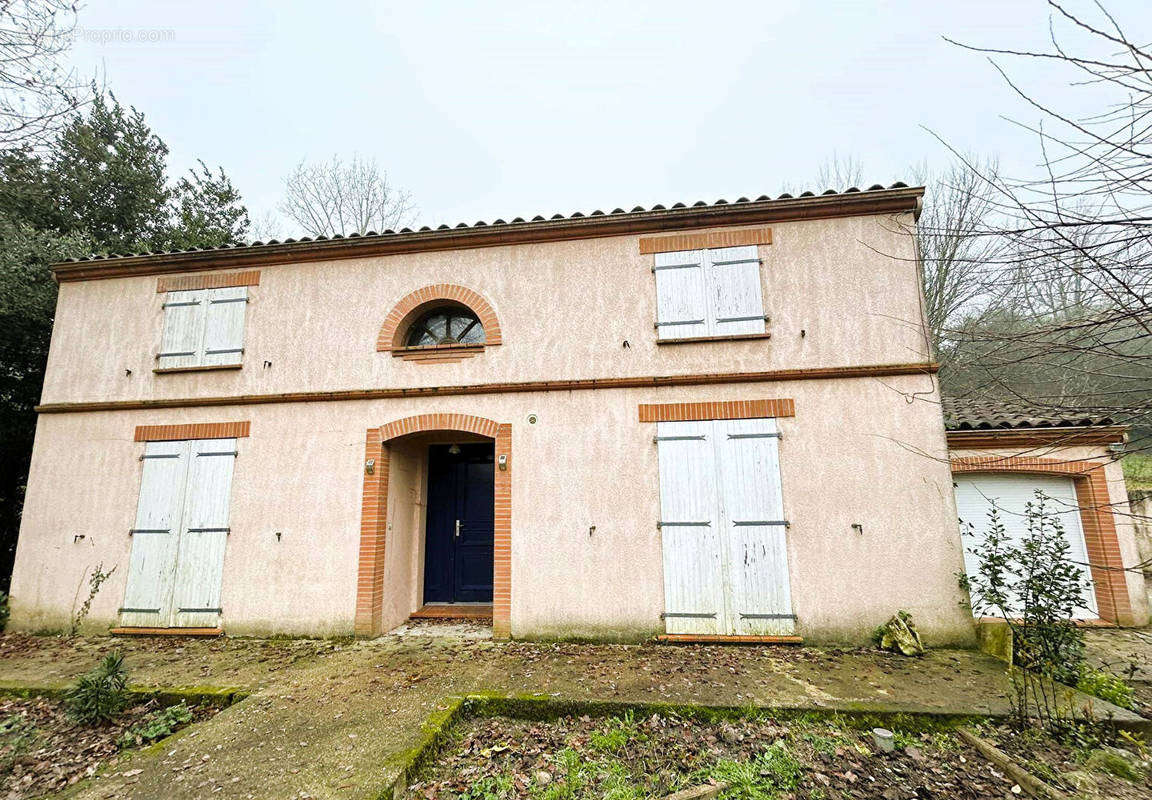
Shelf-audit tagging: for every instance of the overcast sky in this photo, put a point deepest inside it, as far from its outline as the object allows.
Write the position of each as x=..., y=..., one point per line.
x=500, y=109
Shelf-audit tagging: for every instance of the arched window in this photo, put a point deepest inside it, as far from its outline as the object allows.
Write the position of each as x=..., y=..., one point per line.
x=446, y=325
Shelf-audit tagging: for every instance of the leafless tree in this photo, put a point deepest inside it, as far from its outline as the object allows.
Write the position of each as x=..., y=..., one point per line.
x=336, y=197
x=36, y=90
x=1077, y=238
x=953, y=248
x=840, y=173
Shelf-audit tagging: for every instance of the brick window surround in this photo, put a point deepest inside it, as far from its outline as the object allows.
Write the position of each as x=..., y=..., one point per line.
x=196, y=430
x=395, y=329
x=719, y=409
x=1100, y=539
x=374, y=516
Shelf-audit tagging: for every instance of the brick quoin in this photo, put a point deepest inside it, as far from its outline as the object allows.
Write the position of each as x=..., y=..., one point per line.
x=1096, y=518
x=406, y=312
x=374, y=516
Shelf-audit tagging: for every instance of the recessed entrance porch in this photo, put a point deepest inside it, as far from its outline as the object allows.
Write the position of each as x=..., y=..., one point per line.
x=435, y=523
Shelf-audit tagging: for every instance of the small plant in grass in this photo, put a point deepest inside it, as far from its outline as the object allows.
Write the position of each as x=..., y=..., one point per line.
x=18, y=735
x=99, y=695
x=614, y=736
x=95, y=580
x=1106, y=686
x=771, y=773
x=156, y=725
x=490, y=787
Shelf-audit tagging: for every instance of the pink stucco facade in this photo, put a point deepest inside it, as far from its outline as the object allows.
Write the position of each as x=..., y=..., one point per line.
x=863, y=462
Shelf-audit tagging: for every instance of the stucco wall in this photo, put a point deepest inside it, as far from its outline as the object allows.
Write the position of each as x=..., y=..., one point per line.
x=566, y=309
x=857, y=451
x=1117, y=496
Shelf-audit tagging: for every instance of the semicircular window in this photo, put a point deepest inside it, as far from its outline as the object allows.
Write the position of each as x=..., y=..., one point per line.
x=453, y=325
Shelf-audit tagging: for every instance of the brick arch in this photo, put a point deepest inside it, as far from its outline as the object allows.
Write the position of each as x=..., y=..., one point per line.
x=1105, y=560
x=374, y=515
x=439, y=422
x=402, y=315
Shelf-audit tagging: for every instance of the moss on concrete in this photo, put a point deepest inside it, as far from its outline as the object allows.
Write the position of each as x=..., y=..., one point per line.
x=216, y=696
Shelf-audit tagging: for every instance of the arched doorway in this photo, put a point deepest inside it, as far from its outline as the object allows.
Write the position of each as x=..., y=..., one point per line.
x=436, y=519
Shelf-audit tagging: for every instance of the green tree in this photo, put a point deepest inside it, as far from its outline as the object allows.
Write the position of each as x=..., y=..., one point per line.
x=101, y=185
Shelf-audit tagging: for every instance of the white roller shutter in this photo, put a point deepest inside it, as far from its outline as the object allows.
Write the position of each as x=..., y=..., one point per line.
x=155, y=536
x=681, y=296
x=694, y=599
x=754, y=527
x=736, y=302
x=181, y=344
x=975, y=494
x=224, y=326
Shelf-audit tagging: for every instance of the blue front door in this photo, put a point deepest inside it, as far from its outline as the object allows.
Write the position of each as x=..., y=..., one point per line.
x=458, y=544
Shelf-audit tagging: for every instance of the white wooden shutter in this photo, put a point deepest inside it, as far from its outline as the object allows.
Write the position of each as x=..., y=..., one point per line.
x=694, y=599
x=975, y=495
x=753, y=526
x=181, y=343
x=736, y=301
x=204, y=534
x=155, y=536
x=681, y=297
x=224, y=326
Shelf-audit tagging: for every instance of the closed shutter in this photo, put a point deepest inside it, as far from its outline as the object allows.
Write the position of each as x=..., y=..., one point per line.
x=752, y=522
x=975, y=494
x=204, y=534
x=681, y=297
x=180, y=345
x=694, y=600
x=736, y=302
x=155, y=537
x=224, y=326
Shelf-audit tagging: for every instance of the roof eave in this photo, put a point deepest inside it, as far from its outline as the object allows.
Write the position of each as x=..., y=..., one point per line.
x=879, y=201
x=1037, y=436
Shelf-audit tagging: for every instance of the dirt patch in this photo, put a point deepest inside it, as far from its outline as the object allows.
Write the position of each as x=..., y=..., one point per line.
x=1052, y=761
x=43, y=751
x=157, y=661
x=626, y=758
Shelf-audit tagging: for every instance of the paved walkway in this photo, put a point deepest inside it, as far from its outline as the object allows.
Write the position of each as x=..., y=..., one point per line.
x=329, y=721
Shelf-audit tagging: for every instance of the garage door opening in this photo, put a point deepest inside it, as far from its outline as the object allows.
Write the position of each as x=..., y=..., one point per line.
x=1011, y=493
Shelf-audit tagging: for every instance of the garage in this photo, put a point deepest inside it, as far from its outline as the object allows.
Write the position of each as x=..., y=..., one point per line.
x=1011, y=492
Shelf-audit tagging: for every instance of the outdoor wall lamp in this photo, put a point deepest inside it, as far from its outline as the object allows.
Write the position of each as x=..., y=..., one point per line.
x=369, y=466
x=502, y=461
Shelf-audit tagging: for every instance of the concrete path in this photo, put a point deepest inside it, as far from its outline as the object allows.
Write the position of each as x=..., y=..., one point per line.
x=334, y=724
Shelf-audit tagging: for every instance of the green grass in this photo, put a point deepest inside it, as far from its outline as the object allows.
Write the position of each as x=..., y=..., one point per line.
x=1138, y=470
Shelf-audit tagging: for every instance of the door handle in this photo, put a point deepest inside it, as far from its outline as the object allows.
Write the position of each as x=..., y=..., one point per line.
x=457, y=529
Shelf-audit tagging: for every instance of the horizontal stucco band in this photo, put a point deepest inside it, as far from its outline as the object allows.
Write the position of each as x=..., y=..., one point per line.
x=642, y=382
x=198, y=430
x=730, y=409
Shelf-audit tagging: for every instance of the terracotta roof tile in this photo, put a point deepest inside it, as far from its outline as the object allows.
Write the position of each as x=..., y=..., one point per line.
x=482, y=224
x=983, y=414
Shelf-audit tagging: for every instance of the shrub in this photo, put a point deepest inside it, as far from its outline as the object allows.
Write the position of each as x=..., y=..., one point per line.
x=99, y=695
x=5, y=610
x=157, y=725
x=1106, y=686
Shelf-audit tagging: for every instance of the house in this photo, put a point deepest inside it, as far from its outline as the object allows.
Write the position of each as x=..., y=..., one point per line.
x=716, y=420
x=1006, y=453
